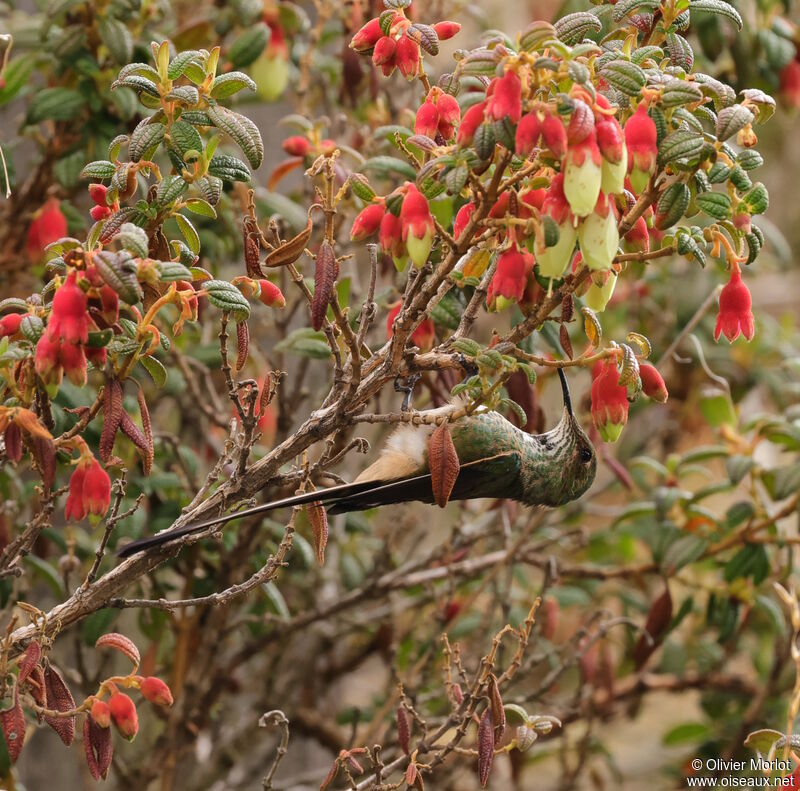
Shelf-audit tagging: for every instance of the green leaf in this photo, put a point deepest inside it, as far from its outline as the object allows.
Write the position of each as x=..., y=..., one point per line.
x=687, y=733
x=626, y=77
x=388, y=167
x=158, y=373
x=201, y=207
x=573, y=28
x=117, y=38
x=242, y=130
x=782, y=482
x=625, y=7
x=177, y=66
x=46, y=571
x=228, y=168
x=54, y=104
x=680, y=553
x=714, y=204
x=731, y=119
x=750, y=561
x=681, y=144
x=99, y=169
x=189, y=233
x=170, y=271
x=141, y=85
x=305, y=342
x=677, y=92
x=145, y=139
x=134, y=239
x=184, y=137
x=170, y=189
x=672, y=205
x=228, y=298
x=228, y=84
x=97, y=624
x=120, y=271
x=762, y=740
x=717, y=7
x=247, y=48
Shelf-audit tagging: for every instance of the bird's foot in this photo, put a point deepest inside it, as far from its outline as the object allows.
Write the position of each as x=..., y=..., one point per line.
x=468, y=366
x=406, y=385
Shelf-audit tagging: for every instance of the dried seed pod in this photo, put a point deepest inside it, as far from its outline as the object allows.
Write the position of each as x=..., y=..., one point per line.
x=403, y=730
x=498, y=712
x=147, y=430
x=485, y=747
x=13, y=442
x=325, y=275
x=120, y=643
x=567, y=308
x=112, y=415
x=444, y=464
x=242, y=344
x=137, y=437
x=319, y=524
x=99, y=748
x=13, y=722
x=658, y=620
x=59, y=698
x=33, y=653
x=35, y=685
x=44, y=453
x=266, y=394
x=290, y=251
x=566, y=343
x=458, y=694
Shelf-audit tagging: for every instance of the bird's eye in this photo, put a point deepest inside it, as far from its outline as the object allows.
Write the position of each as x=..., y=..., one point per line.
x=585, y=455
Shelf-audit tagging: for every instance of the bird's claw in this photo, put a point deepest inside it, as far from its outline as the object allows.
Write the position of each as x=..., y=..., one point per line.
x=469, y=367
x=406, y=385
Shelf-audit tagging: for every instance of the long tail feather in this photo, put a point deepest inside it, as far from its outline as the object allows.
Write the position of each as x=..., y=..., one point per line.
x=483, y=478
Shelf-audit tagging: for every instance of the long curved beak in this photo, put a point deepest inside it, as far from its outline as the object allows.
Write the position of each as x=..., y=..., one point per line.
x=565, y=392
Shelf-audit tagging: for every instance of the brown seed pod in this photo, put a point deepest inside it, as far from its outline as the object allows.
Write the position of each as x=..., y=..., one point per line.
x=498, y=712
x=566, y=343
x=31, y=657
x=112, y=415
x=243, y=344
x=44, y=453
x=657, y=622
x=458, y=693
x=147, y=430
x=266, y=394
x=325, y=275
x=59, y=698
x=567, y=308
x=137, y=437
x=403, y=730
x=13, y=442
x=120, y=643
x=35, y=685
x=290, y=251
x=444, y=464
x=13, y=722
x=99, y=748
x=319, y=524
x=485, y=747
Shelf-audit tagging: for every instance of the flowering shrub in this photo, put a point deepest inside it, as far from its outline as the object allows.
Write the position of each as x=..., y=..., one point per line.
x=209, y=298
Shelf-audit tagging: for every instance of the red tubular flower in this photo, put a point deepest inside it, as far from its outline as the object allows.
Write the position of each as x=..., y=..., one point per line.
x=9, y=325
x=637, y=240
x=506, y=98
x=610, y=139
x=75, y=509
x=641, y=140
x=510, y=279
x=390, y=238
x=529, y=130
x=445, y=30
x=101, y=713
x=72, y=359
x=407, y=57
x=427, y=121
x=449, y=113
x=270, y=295
x=96, y=489
x=109, y=300
x=423, y=336
x=462, y=218
x=789, y=78
x=48, y=225
x=156, y=691
x=46, y=360
x=296, y=146
x=69, y=320
x=367, y=222
x=609, y=401
x=97, y=192
x=653, y=384
x=735, y=310
x=100, y=213
x=366, y=38
x=554, y=135
x=470, y=122
x=417, y=226
x=123, y=715
x=583, y=175
x=96, y=356
x=384, y=51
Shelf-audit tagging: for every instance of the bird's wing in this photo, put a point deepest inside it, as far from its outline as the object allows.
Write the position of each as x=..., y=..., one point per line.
x=490, y=477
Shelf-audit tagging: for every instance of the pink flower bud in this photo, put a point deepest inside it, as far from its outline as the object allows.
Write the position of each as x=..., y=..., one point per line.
x=652, y=383
x=390, y=238
x=462, y=218
x=69, y=320
x=789, y=80
x=9, y=325
x=735, y=310
x=417, y=225
x=271, y=295
x=384, y=51
x=506, y=98
x=101, y=713
x=529, y=131
x=407, y=57
x=583, y=176
x=581, y=123
x=72, y=358
x=123, y=715
x=470, y=122
x=97, y=192
x=641, y=140
x=296, y=146
x=609, y=401
x=449, y=113
x=48, y=225
x=446, y=29
x=100, y=213
x=427, y=121
x=46, y=360
x=510, y=279
x=366, y=38
x=75, y=508
x=156, y=691
x=96, y=489
x=610, y=139
x=637, y=240
x=554, y=135
x=367, y=222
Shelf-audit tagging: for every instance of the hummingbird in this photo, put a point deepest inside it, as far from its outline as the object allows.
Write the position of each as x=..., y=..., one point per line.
x=497, y=460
